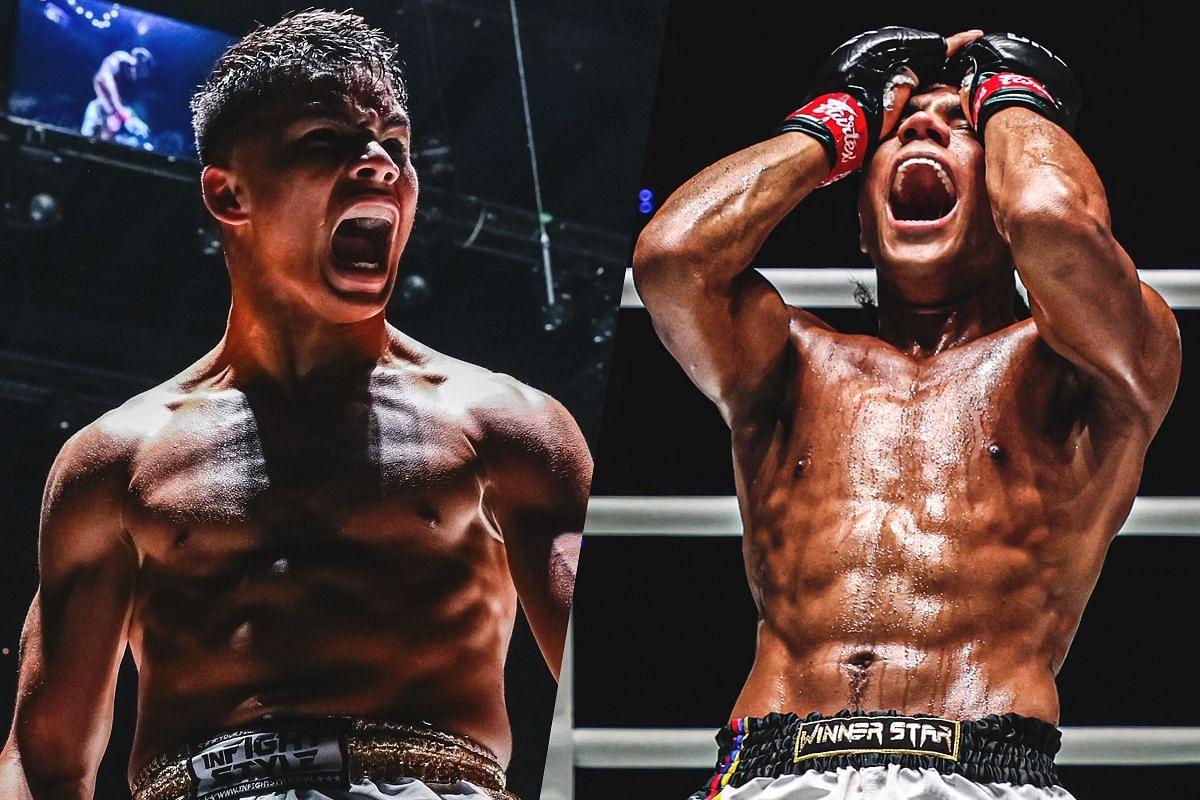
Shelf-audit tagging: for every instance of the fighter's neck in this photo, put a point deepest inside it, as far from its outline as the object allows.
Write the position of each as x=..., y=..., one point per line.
x=292, y=352
x=923, y=331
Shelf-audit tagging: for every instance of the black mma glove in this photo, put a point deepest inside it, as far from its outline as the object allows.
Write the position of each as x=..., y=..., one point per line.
x=845, y=102
x=1003, y=69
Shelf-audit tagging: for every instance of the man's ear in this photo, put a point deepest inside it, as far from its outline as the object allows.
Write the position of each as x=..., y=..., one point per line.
x=221, y=196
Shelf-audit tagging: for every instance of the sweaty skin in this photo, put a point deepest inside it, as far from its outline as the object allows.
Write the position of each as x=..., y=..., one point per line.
x=925, y=512
x=319, y=517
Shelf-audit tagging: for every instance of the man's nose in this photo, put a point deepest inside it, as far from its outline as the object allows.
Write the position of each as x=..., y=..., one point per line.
x=375, y=165
x=924, y=125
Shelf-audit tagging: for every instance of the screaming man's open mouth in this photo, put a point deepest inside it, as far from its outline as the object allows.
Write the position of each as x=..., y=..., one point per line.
x=921, y=191
x=362, y=243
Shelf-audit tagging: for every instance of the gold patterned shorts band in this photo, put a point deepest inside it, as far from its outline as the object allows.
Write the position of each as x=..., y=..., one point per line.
x=319, y=753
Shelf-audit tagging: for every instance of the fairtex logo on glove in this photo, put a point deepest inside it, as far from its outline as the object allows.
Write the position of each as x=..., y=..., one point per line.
x=1008, y=80
x=843, y=117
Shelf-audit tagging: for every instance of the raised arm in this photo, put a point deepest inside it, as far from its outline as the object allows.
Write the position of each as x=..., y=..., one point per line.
x=539, y=473
x=723, y=322
x=1049, y=204
x=75, y=633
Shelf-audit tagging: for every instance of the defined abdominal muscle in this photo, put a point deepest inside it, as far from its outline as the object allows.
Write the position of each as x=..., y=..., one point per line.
x=964, y=679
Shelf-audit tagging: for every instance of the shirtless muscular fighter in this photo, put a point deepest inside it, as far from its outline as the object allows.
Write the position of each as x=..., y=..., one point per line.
x=925, y=511
x=314, y=539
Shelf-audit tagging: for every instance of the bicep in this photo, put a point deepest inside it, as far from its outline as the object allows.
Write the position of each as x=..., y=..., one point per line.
x=730, y=337
x=1120, y=335
x=76, y=630
x=538, y=497
x=1086, y=296
x=542, y=526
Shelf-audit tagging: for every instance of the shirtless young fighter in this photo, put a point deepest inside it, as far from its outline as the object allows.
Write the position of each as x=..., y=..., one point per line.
x=315, y=538
x=109, y=116
x=926, y=511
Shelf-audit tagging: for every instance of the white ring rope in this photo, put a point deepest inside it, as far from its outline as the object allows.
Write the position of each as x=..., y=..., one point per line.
x=684, y=748
x=833, y=287
x=718, y=516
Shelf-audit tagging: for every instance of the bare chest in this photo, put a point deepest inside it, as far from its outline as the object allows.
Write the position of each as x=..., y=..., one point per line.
x=231, y=474
x=884, y=422
x=889, y=476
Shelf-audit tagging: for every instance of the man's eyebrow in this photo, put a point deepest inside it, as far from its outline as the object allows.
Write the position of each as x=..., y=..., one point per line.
x=396, y=120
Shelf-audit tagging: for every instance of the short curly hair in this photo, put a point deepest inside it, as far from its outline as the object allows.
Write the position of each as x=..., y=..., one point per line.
x=302, y=49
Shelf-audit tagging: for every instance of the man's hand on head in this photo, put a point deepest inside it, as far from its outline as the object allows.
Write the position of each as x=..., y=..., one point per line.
x=893, y=112
x=858, y=94
x=1001, y=70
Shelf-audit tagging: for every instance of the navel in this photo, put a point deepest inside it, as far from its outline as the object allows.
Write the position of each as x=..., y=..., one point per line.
x=862, y=660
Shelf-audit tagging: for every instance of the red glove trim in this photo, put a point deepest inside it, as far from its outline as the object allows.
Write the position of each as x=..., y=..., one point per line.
x=1006, y=80
x=846, y=122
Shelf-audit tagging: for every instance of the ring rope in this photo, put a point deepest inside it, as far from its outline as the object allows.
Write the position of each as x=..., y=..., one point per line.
x=833, y=287
x=718, y=516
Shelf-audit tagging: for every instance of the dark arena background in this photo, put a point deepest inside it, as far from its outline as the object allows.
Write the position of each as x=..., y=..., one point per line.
x=665, y=626
x=112, y=278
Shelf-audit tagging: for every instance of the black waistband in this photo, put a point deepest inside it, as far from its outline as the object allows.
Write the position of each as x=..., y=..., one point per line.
x=1007, y=748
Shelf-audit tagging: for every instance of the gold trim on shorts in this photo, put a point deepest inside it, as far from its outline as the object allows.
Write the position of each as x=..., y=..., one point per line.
x=379, y=751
